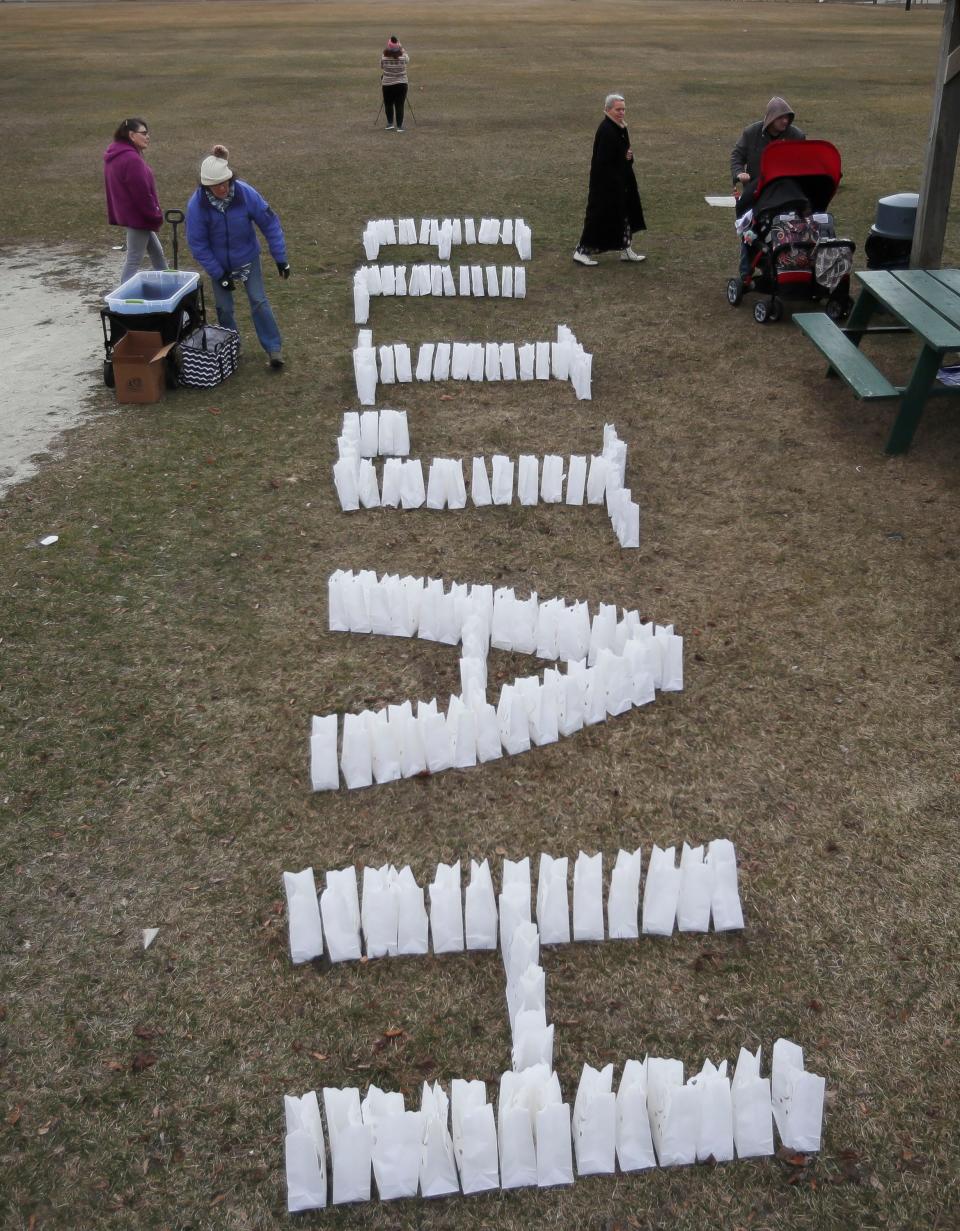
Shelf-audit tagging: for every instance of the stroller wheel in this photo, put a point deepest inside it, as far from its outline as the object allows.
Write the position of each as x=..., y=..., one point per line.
x=734, y=292
x=761, y=312
x=108, y=377
x=838, y=309
x=774, y=310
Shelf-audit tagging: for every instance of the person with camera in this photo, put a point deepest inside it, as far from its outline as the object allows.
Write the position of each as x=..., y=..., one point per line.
x=394, y=82
x=221, y=217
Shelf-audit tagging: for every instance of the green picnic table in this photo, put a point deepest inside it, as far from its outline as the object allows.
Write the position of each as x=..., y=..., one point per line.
x=926, y=303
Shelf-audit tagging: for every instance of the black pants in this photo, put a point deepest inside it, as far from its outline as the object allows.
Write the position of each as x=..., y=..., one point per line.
x=394, y=96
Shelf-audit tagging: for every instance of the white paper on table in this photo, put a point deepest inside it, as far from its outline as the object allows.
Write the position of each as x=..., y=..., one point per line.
x=595, y=1122
x=350, y=1145
x=752, y=1108
x=474, y=1136
x=624, y=900
x=660, y=893
x=303, y=915
x=797, y=1097
x=634, y=1142
x=588, y=897
x=480, y=908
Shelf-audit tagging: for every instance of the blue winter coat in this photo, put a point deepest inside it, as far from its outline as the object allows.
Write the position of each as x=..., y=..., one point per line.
x=224, y=240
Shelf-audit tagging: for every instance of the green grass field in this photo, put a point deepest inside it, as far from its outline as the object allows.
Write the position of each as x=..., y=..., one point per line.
x=161, y=663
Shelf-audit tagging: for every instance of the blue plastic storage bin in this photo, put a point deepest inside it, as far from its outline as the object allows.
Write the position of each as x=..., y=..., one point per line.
x=155, y=290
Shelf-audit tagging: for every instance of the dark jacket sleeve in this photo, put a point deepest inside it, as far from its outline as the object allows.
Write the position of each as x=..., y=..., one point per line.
x=269, y=224
x=740, y=154
x=198, y=239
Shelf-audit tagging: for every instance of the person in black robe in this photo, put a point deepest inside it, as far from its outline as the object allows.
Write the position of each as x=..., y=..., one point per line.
x=614, y=211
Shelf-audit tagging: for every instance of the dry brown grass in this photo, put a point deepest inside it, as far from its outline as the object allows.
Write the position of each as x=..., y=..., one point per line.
x=161, y=664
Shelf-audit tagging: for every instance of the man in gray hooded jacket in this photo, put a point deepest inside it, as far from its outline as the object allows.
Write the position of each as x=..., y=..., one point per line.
x=776, y=125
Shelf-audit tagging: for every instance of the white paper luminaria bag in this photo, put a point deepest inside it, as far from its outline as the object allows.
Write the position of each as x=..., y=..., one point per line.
x=554, y=1152
x=306, y=1155
x=303, y=916
x=797, y=1098
x=528, y=486
x=752, y=1108
x=674, y=1112
x=515, y=1138
x=725, y=894
x=660, y=893
x=634, y=1142
x=324, y=766
x=446, y=909
x=356, y=755
x=396, y=1144
x=438, y=1170
x=624, y=901
x=715, y=1132
x=588, y=897
x=480, y=908
x=340, y=909
x=553, y=906
x=595, y=1122
x=474, y=1136
x=350, y=1145
x=379, y=911
x=696, y=889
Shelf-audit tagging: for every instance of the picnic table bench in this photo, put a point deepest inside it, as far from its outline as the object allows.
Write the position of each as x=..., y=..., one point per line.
x=926, y=303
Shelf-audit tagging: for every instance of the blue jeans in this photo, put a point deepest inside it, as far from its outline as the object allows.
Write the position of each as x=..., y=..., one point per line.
x=264, y=322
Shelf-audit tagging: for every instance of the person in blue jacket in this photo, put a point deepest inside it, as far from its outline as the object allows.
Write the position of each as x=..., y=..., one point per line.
x=220, y=233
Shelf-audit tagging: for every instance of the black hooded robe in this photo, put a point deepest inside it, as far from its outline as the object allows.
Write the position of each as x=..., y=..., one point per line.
x=614, y=211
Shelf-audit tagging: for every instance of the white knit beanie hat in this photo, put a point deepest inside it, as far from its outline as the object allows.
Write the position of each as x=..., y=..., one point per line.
x=214, y=168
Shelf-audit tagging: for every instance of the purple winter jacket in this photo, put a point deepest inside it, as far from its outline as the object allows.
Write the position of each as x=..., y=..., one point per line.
x=131, y=189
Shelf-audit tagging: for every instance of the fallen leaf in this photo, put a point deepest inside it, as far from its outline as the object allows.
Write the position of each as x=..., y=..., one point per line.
x=394, y=1032
x=217, y=1199
x=792, y=1158
x=145, y=1032
x=115, y=1066
x=214, y=410
x=45, y=1128
x=500, y=850
x=318, y=1055
x=15, y=1115
x=142, y=1060
x=815, y=1004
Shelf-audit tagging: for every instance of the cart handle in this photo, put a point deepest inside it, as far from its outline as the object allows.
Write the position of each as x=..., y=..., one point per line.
x=174, y=216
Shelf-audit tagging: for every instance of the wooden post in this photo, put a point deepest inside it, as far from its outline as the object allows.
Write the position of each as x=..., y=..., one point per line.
x=944, y=139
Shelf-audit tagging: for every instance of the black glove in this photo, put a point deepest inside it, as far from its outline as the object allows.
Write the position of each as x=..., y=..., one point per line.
x=283, y=269
x=227, y=283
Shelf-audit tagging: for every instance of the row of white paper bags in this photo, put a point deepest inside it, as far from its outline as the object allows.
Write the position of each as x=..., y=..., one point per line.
x=477, y=280
x=374, y=433
x=402, y=486
x=393, y=919
x=383, y=746
x=564, y=359
x=653, y=1118
x=480, y=617
x=443, y=234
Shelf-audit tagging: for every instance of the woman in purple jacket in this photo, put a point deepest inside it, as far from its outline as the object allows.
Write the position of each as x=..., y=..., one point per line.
x=132, y=195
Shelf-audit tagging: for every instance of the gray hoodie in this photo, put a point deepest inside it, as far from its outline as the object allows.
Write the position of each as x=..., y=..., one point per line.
x=754, y=139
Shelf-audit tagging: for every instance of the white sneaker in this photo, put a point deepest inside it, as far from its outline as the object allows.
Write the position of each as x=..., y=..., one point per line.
x=400, y=130
x=389, y=128
x=582, y=259
x=628, y=254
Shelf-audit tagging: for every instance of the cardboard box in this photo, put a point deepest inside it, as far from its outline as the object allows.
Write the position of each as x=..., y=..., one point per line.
x=140, y=367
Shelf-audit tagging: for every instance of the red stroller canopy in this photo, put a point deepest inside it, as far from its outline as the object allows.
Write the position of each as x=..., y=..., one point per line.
x=814, y=165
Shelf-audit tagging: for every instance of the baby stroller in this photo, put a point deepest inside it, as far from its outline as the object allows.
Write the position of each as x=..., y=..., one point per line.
x=783, y=221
